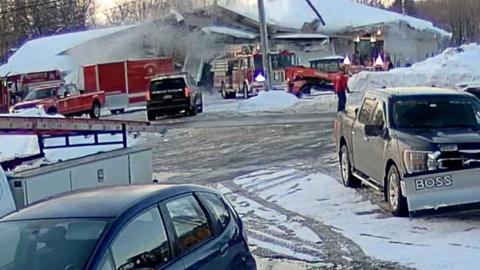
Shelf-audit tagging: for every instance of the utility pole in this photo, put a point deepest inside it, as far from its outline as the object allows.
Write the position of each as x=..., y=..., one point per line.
x=264, y=43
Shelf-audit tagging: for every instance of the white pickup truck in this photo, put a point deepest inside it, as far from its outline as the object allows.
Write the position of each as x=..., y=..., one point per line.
x=7, y=203
x=117, y=167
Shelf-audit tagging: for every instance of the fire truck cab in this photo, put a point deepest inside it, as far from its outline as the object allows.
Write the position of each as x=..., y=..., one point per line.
x=241, y=72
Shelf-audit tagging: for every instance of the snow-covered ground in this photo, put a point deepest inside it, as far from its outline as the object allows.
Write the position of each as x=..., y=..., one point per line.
x=425, y=243
x=453, y=66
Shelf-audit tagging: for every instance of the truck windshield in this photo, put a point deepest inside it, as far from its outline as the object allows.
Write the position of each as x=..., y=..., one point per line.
x=42, y=94
x=48, y=244
x=437, y=114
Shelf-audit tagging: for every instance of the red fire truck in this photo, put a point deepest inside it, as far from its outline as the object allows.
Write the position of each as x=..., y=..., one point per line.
x=4, y=96
x=20, y=85
x=125, y=83
x=241, y=71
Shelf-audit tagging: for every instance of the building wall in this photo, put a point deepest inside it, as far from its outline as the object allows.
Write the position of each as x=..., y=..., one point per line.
x=149, y=40
x=408, y=45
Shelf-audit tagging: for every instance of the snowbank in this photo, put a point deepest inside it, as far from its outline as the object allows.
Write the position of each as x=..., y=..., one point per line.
x=453, y=66
x=268, y=101
x=416, y=242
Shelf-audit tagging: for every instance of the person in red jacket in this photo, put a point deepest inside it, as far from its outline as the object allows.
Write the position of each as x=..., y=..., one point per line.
x=340, y=85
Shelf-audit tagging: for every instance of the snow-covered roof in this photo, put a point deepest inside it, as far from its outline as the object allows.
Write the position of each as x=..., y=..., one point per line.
x=339, y=15
x=300, y=36
x=229, y=32
x=47, y=53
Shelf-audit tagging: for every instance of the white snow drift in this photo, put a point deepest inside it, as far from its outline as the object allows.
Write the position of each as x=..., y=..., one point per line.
x=453, y=66
x=447, y=242
x=268, y=101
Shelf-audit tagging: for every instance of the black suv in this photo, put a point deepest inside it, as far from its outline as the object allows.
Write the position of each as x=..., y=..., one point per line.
x=170, y=94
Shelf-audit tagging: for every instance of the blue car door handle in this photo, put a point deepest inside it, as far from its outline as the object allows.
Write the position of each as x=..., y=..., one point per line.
x=224, y=250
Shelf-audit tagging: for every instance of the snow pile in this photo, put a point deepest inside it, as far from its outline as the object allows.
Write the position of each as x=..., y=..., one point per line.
x=453, y=66
x=416, y=242
x=339, y=15
x=268, y=101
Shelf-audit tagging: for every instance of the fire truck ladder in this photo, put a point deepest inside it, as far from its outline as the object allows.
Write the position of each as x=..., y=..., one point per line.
x=67, y=128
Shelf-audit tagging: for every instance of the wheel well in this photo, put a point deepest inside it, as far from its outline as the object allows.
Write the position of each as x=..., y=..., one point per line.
x=390, y=163
x=96, y=101
x=342, y=143
x=51, y=110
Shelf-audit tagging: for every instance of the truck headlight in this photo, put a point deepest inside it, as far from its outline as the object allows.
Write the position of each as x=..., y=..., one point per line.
x=419, y=161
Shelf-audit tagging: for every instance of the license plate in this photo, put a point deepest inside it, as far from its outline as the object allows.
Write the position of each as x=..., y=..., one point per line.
x=167, y=97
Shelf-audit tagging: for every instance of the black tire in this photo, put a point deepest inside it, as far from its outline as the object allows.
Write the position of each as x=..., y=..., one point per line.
x=96, y=111
x=51, y=111
x=396, y=201
x=200, y=106
x=348, y=179
x=306, y=89
x=151, y=116
x=223, y=91
x=245, y=91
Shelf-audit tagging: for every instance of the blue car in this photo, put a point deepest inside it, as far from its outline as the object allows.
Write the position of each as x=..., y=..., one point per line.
x=126, y=227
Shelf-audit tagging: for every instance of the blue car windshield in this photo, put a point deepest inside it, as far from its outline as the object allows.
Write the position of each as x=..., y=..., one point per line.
x=48, y=244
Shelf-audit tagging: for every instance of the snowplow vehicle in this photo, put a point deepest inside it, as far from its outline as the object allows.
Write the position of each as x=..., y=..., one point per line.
x=320, y=75
x=420, y=146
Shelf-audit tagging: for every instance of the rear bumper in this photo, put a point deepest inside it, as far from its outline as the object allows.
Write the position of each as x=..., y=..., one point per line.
x=167, y=107
x=442, y=191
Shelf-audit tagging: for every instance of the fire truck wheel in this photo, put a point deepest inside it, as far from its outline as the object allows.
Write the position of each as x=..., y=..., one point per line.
x=223, y=92
x=245, y=91
x=96, y=111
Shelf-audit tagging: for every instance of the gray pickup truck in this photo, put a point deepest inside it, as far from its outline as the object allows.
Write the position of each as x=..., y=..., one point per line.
x=419, y=146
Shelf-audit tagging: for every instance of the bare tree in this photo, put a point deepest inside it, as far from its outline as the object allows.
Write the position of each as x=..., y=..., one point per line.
x=21, y=20
x=126, y=11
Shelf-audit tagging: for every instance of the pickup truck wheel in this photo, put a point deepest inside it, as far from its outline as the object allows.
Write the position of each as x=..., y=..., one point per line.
x=96, y=111
x=396, y=201
x=346, y=169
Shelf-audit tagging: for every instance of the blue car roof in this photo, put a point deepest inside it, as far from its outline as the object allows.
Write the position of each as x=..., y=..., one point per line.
x=109, y=202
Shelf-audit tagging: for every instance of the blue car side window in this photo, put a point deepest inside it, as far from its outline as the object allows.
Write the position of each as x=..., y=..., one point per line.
x=219, y=210
x=142, y=243
x=189, y=221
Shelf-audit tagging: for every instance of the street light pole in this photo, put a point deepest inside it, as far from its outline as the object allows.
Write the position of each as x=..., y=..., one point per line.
x=264, y=44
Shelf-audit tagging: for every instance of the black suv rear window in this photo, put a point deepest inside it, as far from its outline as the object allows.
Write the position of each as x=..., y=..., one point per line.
x=168, y=84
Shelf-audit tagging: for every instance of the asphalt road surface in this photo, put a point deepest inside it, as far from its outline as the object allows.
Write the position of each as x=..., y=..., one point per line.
x=218, y=146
